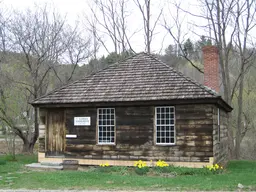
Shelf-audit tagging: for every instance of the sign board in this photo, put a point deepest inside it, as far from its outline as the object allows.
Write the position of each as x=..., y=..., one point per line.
x=71, y=136
x=81, y=121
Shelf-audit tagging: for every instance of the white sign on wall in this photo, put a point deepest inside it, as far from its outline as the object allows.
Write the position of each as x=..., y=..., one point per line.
x=81, y=121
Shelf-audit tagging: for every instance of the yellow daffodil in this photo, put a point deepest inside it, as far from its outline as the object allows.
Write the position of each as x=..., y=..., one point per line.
x=161, y=163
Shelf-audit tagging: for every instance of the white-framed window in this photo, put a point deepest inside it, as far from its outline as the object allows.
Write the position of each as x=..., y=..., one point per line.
x=106, y=126
x=165, y=125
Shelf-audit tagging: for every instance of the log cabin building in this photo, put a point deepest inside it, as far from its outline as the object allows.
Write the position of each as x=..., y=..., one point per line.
x=136, y=109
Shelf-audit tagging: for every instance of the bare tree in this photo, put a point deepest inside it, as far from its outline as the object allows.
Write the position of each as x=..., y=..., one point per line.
x=36, y=35
x=175, y=28
x=145, y=10
x=245, y=22
x=229, y=24
x=77, y=48
x=40, y=40
x=110, y=19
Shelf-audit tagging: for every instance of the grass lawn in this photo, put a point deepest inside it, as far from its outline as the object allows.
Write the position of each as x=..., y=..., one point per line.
x=13, y=175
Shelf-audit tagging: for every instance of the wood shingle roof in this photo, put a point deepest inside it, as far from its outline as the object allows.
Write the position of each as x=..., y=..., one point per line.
x=141, y=77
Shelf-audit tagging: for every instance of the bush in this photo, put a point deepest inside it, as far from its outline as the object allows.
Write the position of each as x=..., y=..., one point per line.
x=104, y=168
x=141, y=167
x=10, y=157
x=142, y=170
x=2, y=162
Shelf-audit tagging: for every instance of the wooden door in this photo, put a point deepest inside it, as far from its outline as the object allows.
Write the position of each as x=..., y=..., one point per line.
x=55, y=132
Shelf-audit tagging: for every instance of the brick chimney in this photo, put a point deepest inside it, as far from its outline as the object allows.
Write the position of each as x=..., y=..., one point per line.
x=211, y=67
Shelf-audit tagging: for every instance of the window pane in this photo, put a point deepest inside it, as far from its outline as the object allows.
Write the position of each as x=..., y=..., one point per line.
x=165, y=125
x=106, y=122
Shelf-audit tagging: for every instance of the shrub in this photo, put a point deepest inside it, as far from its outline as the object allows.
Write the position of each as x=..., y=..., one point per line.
x=141, y=171
x=10, y=157
x=2, y=162
x=141, y=167
x=104, y=167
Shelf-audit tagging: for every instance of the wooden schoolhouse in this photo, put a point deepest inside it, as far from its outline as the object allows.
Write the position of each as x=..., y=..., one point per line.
x=137, y=109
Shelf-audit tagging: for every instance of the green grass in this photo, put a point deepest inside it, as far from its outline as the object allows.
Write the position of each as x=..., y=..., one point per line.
x=15, y=176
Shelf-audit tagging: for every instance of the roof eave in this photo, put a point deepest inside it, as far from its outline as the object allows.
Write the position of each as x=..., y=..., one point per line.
x=217, y=101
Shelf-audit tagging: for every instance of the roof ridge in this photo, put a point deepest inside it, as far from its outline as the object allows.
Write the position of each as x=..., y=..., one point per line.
x=86, y=76
x=209, y=90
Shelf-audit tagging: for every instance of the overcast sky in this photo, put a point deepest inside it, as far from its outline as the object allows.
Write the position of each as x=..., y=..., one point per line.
x=74, y=10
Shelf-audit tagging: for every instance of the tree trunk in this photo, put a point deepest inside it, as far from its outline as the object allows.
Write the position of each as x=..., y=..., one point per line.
x=29, y=142
x=239, y=115
x=36, y=133
x=28, y=147
x=148, y=26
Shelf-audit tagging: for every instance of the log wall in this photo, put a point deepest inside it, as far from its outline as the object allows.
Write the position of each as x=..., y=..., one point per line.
x=135, y=135
x=220, y=139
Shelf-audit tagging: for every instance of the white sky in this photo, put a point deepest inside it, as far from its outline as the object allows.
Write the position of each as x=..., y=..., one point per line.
x=75, y=9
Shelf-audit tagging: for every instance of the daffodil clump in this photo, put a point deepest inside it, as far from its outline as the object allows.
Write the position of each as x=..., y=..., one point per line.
x=215, y=168
x=104, y=165
x=140, y=164
x=141, y=167
x=161, y=163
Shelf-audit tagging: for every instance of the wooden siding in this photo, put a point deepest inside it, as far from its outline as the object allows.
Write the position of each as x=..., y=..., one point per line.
x=220, y=146
x=135, y=135
x=42, y=130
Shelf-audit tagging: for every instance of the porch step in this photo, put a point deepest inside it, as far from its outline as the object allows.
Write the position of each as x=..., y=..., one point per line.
x=40, y=166
x=51, y=163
